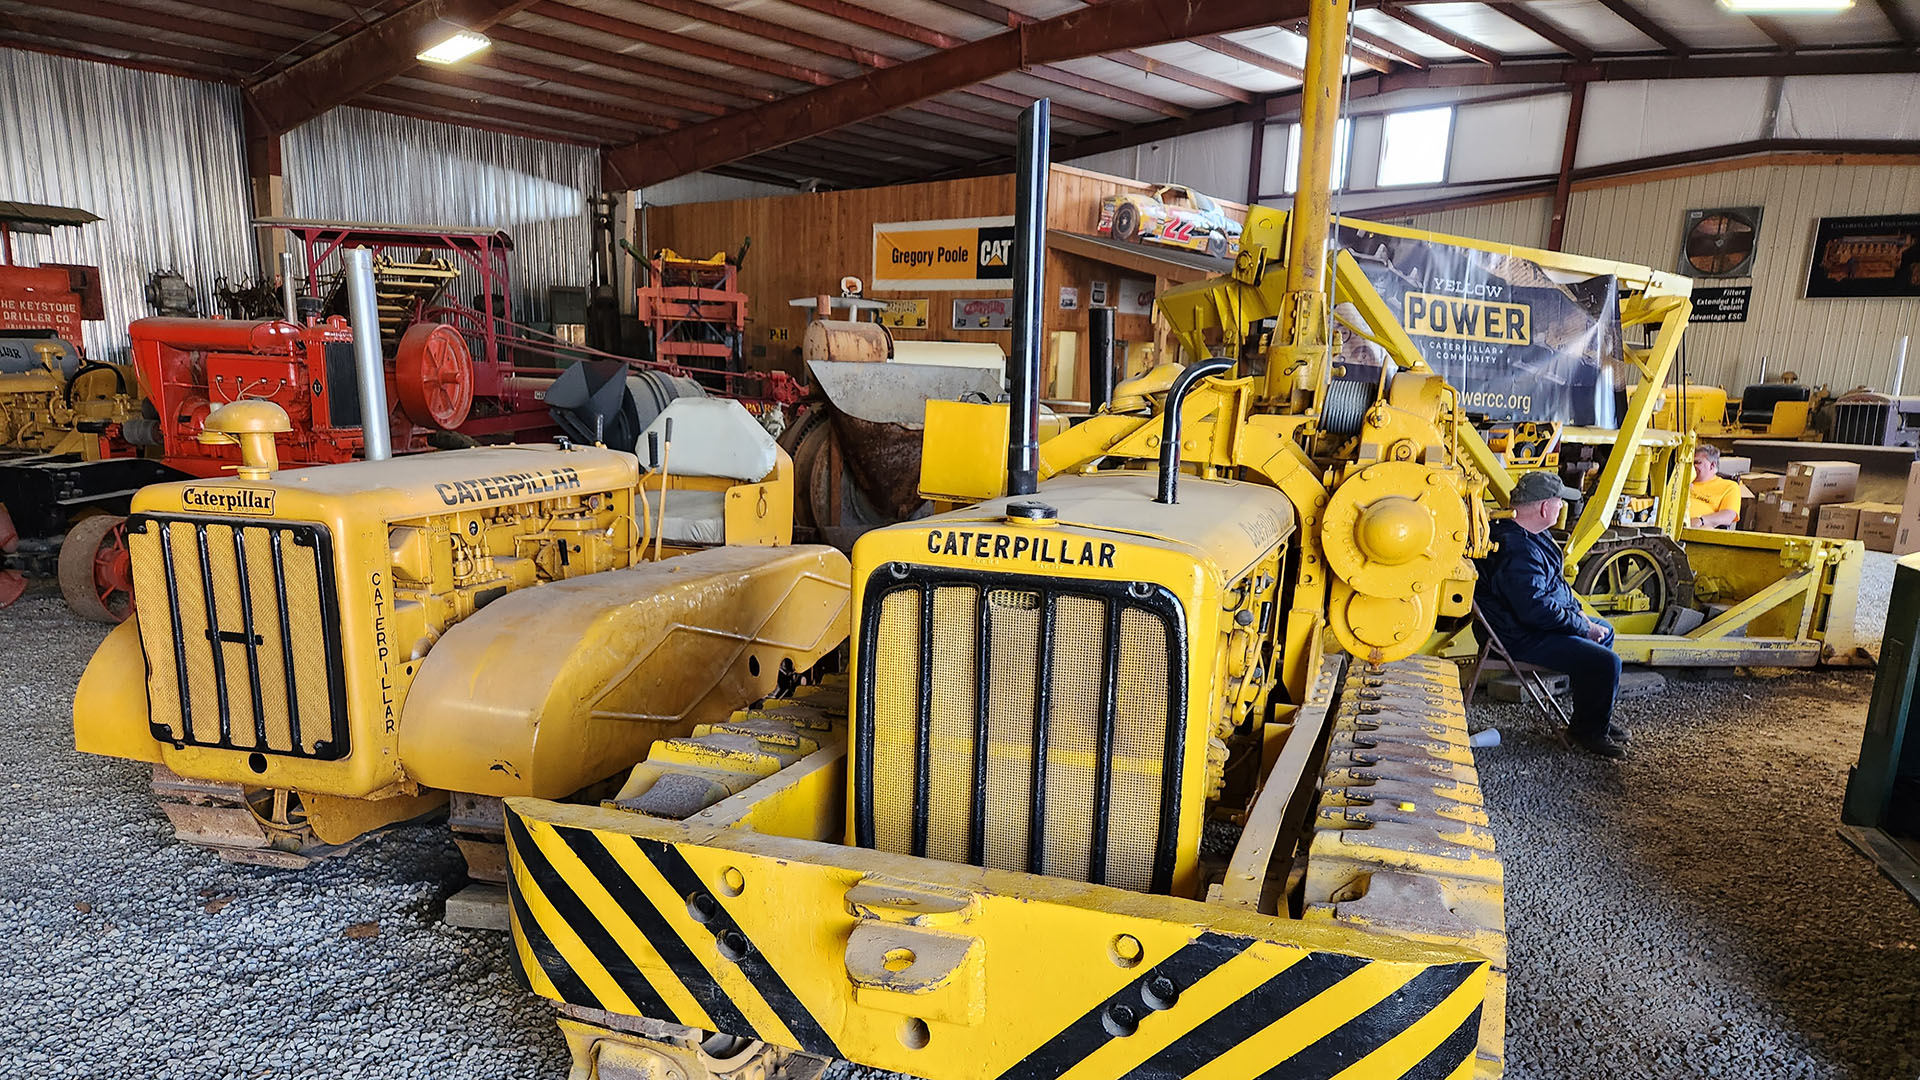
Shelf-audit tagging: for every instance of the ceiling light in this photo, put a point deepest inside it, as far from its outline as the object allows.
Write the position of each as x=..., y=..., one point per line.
x=454, y=44
x=1785, y=7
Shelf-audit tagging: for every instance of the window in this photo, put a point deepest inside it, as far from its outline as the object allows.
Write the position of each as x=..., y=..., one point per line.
x=1337, y=176
x=1413, y=146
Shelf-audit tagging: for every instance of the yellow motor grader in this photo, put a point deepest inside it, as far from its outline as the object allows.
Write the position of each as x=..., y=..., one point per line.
x=985, y=853
x=318, y=653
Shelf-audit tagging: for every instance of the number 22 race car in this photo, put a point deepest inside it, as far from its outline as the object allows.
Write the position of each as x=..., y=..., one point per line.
x=1175, y=216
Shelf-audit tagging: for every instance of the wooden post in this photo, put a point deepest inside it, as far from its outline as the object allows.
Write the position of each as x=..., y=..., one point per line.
x=1563, y=187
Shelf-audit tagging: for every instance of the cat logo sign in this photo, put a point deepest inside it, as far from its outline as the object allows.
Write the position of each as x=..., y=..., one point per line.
x=1431, y=315
x=956, y=253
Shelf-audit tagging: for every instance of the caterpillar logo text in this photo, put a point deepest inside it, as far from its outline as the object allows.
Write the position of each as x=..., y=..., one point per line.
x=995, y=252
x=1429, y=315
x=227, y=500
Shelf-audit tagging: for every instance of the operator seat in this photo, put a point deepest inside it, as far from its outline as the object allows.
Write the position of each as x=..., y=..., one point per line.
x=717, y=445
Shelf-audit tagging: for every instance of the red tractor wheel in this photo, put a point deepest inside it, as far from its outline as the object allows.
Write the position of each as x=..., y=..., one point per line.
x=12, y=582
x=435, y=375
x=96, y=574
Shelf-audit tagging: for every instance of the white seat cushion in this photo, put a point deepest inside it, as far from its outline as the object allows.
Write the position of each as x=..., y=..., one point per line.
x=715, y=437
x=693, y=517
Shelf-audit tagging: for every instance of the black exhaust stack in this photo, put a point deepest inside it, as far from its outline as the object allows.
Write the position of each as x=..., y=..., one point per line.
x=1099, y=358
x=1029, y=255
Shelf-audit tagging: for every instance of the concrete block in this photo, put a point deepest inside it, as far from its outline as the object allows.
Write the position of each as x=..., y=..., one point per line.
x=480, y=906
x=1639, y=682
x=1507, y=688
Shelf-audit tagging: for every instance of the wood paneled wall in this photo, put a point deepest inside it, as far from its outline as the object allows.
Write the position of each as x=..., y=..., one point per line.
x=804, y=244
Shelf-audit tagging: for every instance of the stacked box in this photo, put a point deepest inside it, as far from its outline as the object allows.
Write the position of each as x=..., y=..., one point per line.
x=1762, y=482
x=1838, y=521
x=1907, y=537
x=1879, y=525
x=1795, y=518
x=1734, y=466
x=1819, y=483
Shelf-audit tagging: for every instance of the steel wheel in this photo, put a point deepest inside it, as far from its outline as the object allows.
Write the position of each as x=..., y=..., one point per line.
x=1635, y=574
x=96, y=574
x=434, y=373
x=12, y=582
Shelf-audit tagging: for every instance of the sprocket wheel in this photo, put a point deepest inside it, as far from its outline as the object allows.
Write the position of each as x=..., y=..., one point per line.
x=96, y=573
x=1634, y=573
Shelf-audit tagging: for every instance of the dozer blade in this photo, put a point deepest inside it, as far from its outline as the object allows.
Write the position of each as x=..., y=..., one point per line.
x=953, y=972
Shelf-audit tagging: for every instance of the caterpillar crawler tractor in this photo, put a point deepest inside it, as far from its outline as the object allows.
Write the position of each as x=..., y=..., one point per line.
x=1005, y=846
x=323, y=652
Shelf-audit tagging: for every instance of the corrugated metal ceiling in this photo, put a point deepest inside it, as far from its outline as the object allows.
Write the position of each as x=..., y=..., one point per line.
x=610, y=72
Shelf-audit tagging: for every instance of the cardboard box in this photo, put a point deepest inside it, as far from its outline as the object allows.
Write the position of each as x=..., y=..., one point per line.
x=1733, y=466
x=1906, y=539
x=1766, y=513
x=1762, y=482
x=1817, y=483
x=1879, y=526
x=1838, y=521
x=1795, y=518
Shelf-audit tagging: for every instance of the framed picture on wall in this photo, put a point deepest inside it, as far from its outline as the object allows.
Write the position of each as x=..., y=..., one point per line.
x=1719, y=243
x=1870, y=256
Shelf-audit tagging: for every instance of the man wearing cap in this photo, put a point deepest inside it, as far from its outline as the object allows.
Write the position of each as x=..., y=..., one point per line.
x=1526, y=599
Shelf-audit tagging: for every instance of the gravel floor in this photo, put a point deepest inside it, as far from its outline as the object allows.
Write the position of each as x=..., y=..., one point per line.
x=1688, y=914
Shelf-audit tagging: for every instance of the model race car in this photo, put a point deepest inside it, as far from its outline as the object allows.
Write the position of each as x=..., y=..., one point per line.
x=1174, y=215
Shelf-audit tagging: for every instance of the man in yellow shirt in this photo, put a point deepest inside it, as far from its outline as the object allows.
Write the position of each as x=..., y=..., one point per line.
x=1713, y=501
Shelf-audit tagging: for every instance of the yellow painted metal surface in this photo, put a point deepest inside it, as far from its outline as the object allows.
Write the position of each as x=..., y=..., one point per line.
x=550, y=689
x=957, y=973
x=955, y=462
x=110, y=695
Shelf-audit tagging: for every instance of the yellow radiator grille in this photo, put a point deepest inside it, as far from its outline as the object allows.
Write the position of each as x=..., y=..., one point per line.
x=241, y=629
x=968, y=680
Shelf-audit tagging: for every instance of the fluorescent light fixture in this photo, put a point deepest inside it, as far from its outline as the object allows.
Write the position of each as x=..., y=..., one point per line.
x=1785, y=7
x=454, y=45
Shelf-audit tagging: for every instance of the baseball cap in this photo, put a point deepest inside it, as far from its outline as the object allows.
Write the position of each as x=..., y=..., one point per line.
x=1539, y=486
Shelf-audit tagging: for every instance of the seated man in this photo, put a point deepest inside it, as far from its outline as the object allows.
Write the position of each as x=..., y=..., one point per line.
x=1525, y=598
x=1713, y=501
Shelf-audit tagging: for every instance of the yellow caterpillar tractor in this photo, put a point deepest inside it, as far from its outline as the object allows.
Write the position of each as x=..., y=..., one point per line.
x=1004, y=846
x=322, y=652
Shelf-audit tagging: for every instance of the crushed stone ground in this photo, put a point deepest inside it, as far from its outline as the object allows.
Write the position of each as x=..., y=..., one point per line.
x=1691, y=913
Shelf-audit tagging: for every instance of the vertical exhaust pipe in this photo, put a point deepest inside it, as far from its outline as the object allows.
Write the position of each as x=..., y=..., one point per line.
x=1029, y=255
x=289, y=299
x=363, y=312
x=1100, y=322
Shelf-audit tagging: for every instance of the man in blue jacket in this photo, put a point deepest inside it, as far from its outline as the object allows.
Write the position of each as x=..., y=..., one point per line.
x=1524, y=596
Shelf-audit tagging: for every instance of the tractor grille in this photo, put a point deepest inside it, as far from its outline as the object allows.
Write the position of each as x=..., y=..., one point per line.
x=240, y=624
x=968, y=680
x=1862, y=423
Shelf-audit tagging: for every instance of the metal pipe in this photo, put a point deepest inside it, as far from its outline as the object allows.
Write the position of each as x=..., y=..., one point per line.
x=1899, y=366
x=1100, y=357
x=289, y=300
x=1029, y=283
x=1319, y=118
x=371, y=368
x=1170, y=423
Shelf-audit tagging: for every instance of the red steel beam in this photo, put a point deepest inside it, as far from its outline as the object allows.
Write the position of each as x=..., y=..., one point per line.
x=140, y=45
x=1142, y=62
x=1123, y=24
x=1441, y=34
x=680, y=43
x=1229, y=48
x=1901, y=22
x=464, y=104
x=641, y=95
x=1544, y=28
x=76, y=49
x=378, y=103
x=1645, y=23
x=630, y=119
x=1776, y=32
x=926, y=133
x=638, y=65
x=365, y=59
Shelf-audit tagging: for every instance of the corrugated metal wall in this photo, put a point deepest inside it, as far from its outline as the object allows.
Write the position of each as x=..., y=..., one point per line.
x=159, y=157
x=357, y=165
x=1840, y=343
